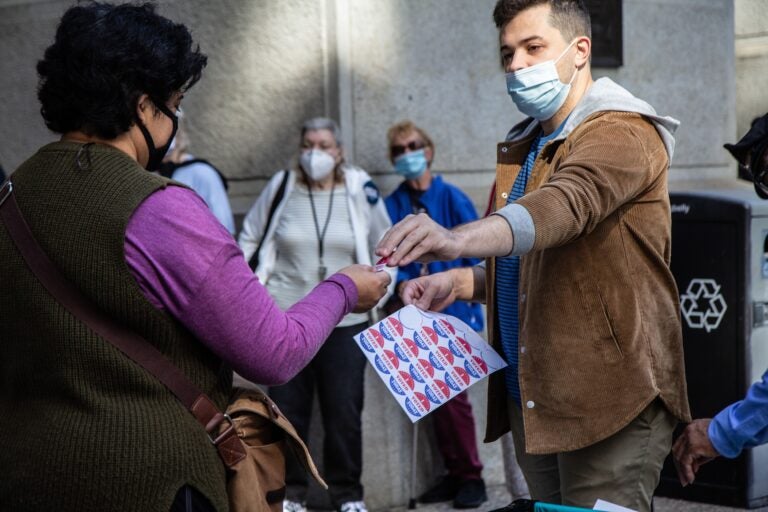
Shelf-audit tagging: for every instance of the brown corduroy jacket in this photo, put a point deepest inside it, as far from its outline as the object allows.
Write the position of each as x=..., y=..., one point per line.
x=600, y=334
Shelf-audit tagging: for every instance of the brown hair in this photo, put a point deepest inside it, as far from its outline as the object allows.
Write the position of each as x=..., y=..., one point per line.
x=570, y=17
x=404, y=128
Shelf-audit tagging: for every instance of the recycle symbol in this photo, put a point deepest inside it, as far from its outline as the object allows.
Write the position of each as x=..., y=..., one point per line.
x=703, y=305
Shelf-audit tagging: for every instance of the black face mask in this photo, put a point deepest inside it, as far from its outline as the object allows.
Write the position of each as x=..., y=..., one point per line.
x=156, y=155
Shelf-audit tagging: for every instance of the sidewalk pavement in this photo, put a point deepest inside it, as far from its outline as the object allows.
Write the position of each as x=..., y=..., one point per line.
x=498, y=497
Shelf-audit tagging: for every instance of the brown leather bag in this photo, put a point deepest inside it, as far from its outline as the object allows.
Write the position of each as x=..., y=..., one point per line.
x=250, y=437
x=257, y=482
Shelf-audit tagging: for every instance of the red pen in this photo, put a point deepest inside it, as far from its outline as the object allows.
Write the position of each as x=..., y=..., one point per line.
x=381, y=264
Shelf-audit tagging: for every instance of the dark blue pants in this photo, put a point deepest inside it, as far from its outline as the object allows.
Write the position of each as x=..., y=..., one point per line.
x=337, y=373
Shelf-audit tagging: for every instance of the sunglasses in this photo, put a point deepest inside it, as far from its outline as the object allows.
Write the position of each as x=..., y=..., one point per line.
x=398, y=149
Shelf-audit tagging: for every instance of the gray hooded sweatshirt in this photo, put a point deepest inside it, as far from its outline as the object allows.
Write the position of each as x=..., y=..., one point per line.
x=604, y=95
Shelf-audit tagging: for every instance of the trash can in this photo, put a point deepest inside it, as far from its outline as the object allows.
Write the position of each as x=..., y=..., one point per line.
x=720, y=264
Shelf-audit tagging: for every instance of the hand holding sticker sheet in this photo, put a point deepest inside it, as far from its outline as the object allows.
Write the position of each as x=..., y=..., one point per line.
x=426, y=358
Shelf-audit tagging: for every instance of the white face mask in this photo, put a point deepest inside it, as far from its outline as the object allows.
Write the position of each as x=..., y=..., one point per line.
x=537, y=90
x=317, y=164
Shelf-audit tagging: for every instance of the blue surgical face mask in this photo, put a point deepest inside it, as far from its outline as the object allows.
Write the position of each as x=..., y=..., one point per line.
x=411, y=165
x=537, y=90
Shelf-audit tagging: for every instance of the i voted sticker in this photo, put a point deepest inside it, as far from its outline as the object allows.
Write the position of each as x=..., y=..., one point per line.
x=425, y=338
x=422, y=399
x=459, y=347
x=371, y=339
x=413, y=409
x=380, y=365
x=436, y=362
x=476, y=367
x=394, y=386
x=463, y=375
x=386, y=363
x=442, y=387
x=391, y=358
x=363, y=341
x=443, y=328
x=401, y=383
x=451, y=382
x=445, y=356
x=422, y=371
x=406, y=350
x=457, y=378
x=436, y=393
x=391, y=328
x=406, y=380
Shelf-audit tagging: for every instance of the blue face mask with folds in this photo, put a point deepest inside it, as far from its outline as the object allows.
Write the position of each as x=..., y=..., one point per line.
x=411, y=165
x=537, y=90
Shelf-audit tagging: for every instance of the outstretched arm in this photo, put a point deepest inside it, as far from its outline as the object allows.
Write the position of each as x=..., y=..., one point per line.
x=419, y=238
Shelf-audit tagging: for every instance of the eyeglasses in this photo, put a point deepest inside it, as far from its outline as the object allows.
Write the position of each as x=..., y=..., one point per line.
x=399, y=149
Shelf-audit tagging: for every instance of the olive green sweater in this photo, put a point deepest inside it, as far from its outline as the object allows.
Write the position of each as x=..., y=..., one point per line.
x=82, y=427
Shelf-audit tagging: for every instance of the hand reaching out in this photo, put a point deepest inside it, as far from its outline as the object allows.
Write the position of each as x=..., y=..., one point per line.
x=371, y=285
x=434, y=292
x=418, y=238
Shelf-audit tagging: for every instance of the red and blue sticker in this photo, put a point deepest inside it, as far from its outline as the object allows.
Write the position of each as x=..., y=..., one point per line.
x=425, y=338
x=371, y=339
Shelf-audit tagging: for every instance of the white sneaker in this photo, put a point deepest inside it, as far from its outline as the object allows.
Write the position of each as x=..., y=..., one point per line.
x=353, y=506
x=293, y=506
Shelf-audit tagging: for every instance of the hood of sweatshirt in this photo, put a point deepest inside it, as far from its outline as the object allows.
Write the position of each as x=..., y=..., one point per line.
x=605, y=95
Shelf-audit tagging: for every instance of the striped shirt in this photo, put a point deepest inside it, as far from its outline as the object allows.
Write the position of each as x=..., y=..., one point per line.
x=297, y=265
x=508, y=277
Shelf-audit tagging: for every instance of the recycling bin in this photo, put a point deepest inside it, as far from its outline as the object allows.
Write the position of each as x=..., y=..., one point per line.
x=720, y=264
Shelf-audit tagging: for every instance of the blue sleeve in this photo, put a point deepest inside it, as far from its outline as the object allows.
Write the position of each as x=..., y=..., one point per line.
x=204, y=180
x=743, y=424
x=389, y=202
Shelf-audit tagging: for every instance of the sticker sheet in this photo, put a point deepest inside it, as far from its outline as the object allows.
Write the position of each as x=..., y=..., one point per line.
x=426, y=358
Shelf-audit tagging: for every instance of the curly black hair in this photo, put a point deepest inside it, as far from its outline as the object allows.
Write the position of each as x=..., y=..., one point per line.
x=104, y=58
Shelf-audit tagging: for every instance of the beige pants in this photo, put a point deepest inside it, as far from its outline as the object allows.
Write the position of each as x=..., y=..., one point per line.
x=623, y=469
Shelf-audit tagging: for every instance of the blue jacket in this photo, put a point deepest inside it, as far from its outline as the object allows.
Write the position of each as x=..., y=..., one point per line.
x=449, y=207
x=743, y=424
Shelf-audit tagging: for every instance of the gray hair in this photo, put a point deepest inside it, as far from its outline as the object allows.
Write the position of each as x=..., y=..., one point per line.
x=322, y=123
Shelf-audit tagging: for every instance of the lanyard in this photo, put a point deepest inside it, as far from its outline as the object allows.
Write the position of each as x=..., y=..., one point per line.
x=321, y=270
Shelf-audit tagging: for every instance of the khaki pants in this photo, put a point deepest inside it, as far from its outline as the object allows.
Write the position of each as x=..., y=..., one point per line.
x=623, y=469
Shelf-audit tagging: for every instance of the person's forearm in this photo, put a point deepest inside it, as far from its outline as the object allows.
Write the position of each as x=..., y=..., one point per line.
x=469, y=283
x=488, y=237
x=189, y=266
x=244, y=326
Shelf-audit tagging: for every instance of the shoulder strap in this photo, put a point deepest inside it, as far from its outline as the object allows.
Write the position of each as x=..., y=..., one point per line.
x=254, y=261
x=130, y=343
x=168, y=168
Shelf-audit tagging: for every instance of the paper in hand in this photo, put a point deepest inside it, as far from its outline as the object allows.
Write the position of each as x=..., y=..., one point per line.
x=426, y=358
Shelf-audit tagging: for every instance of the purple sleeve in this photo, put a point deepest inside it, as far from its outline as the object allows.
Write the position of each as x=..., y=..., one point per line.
x=187, y=264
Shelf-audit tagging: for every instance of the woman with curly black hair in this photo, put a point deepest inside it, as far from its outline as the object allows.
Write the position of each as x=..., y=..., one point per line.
x=82, y=426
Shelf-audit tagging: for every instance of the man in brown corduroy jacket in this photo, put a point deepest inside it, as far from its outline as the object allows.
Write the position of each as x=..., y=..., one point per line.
x=580, y=296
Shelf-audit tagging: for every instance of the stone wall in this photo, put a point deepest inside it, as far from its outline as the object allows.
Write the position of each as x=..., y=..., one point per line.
x=751, y=62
